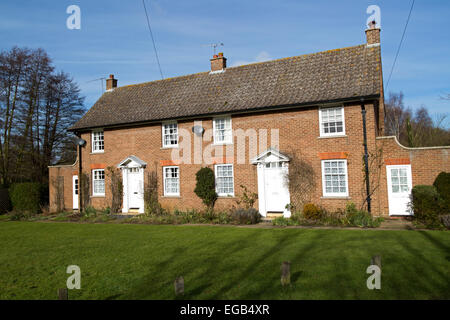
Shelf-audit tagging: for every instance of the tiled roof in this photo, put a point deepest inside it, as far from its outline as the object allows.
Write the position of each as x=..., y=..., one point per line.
x=307, y=79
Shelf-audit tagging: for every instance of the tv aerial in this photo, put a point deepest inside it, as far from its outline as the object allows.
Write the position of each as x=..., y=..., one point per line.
x=214, y=46
x=99, y=79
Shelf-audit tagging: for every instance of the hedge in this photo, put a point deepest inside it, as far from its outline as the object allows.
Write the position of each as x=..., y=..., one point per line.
x=426, y=203
x=27, y=196
x=442, y=185
x=5, y=201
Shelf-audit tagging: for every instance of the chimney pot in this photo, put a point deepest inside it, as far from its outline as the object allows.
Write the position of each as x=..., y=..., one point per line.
x=111, y=83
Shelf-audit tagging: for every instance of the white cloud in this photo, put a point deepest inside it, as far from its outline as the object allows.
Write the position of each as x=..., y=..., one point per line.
x=260, y=57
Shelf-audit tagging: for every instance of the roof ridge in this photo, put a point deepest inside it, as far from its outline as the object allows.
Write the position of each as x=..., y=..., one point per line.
x=240, y=66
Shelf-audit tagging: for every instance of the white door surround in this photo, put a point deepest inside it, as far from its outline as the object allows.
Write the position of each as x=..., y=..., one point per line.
x=75, y=191
x=273, y=189
x=133, y=183
x=399, y=184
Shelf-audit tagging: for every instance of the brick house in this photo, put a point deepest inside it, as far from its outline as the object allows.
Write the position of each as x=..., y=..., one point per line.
x=248, y=123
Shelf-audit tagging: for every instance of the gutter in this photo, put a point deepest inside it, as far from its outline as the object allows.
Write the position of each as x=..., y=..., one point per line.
x=249, y=111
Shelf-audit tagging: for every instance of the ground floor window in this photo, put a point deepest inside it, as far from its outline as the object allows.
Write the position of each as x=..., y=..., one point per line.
x=224, y=180
x=334, y=178
x=98, y=182
x=171, y=181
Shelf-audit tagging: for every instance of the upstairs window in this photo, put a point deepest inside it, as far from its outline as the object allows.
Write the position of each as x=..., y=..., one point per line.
x=224, y=180
x=332, y=121
x=170, y=135
x=98, y=182
x=98, y=144
x=222, y=130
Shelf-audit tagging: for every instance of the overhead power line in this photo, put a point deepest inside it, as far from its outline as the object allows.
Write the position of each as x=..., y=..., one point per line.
x=153, y=40
x=400, y=44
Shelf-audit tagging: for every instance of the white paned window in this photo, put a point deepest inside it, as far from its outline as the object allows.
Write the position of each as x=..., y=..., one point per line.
x=399, y=180
x=332, y=121
x=222, y=130
x=170, y=134
x=334, y=178
x=171, y=181
x=224, y=180
x=98, y=144
x=98, y=182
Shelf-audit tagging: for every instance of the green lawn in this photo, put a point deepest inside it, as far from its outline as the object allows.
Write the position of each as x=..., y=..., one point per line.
x=142, y=261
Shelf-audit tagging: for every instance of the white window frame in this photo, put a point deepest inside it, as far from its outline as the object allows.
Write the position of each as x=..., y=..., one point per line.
x=334, y=194
x=230, y=137
x=93, y=182
x=232, y=175
x=93, y=144
x=330, y=134
x=171, y=194
x=163, y=134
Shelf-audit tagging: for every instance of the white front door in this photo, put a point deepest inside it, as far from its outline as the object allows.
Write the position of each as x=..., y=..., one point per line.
x=276, y=193
x=135, y=188
x=75, y=188
x=399, y=184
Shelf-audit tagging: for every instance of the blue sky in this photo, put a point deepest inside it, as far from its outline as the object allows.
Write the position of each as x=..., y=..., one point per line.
x=114, y=38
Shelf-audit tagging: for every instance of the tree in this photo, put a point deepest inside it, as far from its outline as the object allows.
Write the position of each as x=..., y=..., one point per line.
x=415, y=129
x=37, y=105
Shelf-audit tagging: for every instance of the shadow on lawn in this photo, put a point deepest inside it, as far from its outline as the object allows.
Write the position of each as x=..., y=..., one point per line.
x=405, y=276
x=423, y=278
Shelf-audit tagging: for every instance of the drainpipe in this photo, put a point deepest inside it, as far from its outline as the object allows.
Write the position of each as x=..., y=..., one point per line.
x=366, y=156
x=81, y=143
x=79, y=179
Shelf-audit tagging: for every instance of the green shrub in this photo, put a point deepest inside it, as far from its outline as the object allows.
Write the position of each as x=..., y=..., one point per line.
x=283, y=222
x=427, y=205
x=359, y=218
x=442, y=185
x=245, y=216
x=311, y=211
x=205, y=188
x=27, y=197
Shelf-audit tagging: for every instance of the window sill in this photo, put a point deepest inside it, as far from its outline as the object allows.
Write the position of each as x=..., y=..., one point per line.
x=336, y=197
x=98, y=152
x=98, y=196
x=173, y=197
x=333, y=136
x=222, y=143
x=226, y=197
x=171, y=147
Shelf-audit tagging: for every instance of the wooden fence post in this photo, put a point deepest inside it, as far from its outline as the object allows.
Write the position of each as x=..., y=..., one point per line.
x=63, y=294
x=179, y=286
x=376, y=260
x=285, y=273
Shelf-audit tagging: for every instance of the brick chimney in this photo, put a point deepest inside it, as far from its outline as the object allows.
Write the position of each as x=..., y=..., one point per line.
x=373, y=33
x=111, y=83
x=218, y=62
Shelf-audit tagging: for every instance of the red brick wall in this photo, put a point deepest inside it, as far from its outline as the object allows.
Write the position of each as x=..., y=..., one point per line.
x=298, y=133
x=426, y=164
x=67, y=173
